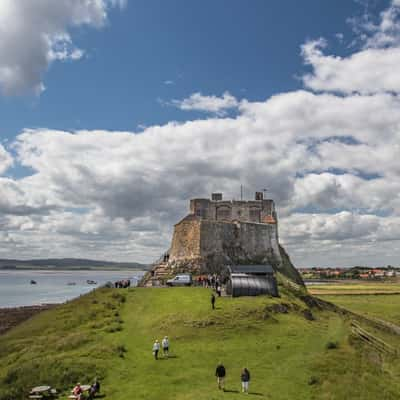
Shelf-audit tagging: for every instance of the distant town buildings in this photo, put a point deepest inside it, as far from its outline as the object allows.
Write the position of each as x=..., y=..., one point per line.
x=350, y=273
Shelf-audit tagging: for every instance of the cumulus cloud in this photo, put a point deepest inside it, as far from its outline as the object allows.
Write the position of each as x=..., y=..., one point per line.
x=211, y=104
x=387, y=31
x=330, y=160
x=366, y=72
x=323, y=158
x=370, y=70
x=6, y=160
x=33, y=34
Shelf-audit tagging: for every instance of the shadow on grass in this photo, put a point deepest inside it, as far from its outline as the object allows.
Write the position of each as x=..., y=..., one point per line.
x=256, y=394
x=231, y=391
x=166, y=358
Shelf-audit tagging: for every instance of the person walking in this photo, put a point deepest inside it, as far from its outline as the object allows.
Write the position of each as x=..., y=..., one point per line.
x=213, y=301
x=219, y=289
x=156, y=349
x=220, y=373
x=165, y=346
x=245, y=378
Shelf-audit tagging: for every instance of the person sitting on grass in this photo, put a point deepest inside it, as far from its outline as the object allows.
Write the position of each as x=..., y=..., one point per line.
x=94, y=389
x=77, y=392
x=156, y=349
x=220, y=373
x=165, y=346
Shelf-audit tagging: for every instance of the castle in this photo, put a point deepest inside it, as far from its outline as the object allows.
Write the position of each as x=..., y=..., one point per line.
x=217, y=233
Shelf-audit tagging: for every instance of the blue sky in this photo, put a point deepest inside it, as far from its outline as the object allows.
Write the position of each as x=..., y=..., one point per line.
x=113, y=114
x=251, y=49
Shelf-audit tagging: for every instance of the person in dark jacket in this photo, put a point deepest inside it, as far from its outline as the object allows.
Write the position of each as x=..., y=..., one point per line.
x=245, y=378
x=94, y=389
x=213, y=301
x=220, y=373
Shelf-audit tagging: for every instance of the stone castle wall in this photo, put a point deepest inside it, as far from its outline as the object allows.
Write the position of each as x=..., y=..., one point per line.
x=208, y=245
x=240, y=242
x=186, y=240
x=218, y=233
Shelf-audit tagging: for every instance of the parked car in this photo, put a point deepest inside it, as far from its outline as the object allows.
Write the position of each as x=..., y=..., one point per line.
x=180, y=280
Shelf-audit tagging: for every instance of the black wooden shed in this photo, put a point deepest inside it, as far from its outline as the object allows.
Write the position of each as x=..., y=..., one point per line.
x=251, y=280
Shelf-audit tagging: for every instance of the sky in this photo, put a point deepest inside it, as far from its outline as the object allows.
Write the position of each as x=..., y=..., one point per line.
x=114, y=113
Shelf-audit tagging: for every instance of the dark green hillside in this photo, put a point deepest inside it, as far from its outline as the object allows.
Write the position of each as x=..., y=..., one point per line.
x=109, y=333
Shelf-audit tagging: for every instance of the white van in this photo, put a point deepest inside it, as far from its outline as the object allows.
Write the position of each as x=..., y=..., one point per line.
x=180, y=280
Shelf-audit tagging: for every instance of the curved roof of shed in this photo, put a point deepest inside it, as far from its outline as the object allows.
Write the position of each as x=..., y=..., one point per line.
x=251, y=269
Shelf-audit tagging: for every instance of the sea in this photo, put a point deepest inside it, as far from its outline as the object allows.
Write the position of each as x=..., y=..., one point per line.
x=54, y=287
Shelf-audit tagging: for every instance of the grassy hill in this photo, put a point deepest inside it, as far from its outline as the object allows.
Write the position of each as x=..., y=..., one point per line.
x=109, y=333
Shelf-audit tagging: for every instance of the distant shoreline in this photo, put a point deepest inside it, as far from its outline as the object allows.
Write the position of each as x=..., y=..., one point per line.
x=13, y=316
x=56, y=269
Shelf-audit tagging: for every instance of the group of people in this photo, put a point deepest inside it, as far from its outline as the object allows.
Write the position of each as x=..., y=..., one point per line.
x=122, y=284
x=220, y=373
x=164, y=345
x=209, y=281
x=77, y=391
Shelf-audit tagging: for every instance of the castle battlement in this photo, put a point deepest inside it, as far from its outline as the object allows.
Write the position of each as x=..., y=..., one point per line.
x=259, y=210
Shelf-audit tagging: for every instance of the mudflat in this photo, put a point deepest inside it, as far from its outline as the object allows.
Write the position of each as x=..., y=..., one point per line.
x=10, y=317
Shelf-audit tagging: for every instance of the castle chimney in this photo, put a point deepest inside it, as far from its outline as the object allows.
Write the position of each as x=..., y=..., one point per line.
x=259, y=196
x=216, y=196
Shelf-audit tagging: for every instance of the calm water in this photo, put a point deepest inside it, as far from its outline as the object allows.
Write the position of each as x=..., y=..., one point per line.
x=52, y=286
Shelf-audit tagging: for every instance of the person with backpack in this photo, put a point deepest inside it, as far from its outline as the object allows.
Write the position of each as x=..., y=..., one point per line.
x=245, y=378
x=220, y=373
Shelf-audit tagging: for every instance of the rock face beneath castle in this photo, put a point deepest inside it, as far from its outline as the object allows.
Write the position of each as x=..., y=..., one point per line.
x=217, y=233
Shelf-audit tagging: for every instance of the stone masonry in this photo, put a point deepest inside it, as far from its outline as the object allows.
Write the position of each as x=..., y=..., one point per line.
x=217, y=233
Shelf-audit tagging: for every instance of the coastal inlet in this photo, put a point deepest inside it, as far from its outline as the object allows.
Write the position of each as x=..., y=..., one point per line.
x=54, y=287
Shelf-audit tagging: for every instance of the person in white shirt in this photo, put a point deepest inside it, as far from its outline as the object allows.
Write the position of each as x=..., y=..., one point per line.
x=156, y=349
x=165, y=346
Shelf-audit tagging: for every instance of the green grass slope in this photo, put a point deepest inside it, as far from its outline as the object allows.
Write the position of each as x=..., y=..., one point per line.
x=109, y=333
x=385, y=306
